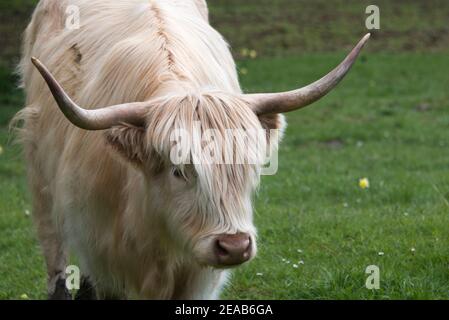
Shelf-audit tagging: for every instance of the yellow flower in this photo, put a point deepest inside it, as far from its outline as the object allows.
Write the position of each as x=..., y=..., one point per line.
x=244, y=52
x=253, y=54
x=24, y=297
x=1, y=150
x=364, y=183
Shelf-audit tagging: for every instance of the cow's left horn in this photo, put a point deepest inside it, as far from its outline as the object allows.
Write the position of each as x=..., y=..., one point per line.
x=267, y=103
x=96, y=119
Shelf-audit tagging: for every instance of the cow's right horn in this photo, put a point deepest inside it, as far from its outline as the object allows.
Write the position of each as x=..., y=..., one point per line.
x=268, y=103
x=96, y=119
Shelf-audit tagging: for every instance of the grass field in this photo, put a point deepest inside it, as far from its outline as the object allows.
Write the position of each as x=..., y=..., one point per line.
x=388, y=122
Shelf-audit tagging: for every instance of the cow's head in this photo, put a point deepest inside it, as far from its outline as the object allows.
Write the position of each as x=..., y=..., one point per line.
x=203, y=193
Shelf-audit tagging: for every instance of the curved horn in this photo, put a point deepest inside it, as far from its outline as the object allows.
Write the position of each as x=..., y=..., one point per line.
x=97, y=119
x=266, y=103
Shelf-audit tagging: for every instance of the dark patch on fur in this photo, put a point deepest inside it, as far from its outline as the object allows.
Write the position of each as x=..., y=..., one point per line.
x=270, y=122
x=77, y=52
x=61, y=292
x=86, y=291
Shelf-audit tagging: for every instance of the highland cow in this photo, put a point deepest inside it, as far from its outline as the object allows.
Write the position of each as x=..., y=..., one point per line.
x=96, y=134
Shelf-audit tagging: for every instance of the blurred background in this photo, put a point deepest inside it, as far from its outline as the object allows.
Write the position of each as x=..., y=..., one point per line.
x=320, y=224
x=285, y=27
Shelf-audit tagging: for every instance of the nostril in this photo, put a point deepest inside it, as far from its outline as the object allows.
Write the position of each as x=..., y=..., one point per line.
x=233, y=249
x=221, y=250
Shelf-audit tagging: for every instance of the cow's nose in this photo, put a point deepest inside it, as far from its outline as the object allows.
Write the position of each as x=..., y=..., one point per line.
x=233, y=249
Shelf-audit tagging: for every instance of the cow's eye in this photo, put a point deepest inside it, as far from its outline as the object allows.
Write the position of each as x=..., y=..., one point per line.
x=178, y=173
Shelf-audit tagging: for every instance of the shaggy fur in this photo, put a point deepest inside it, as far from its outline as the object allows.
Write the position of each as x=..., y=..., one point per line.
x=111, y=197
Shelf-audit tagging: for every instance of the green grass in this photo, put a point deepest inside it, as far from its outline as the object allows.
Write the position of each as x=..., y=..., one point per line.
x=369, y=127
